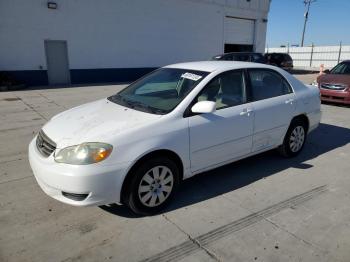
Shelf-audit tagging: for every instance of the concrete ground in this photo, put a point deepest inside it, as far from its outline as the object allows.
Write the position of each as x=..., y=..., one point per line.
x=265, y=208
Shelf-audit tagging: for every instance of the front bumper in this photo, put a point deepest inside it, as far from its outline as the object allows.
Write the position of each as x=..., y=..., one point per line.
x=342, y=97
x=100, y=184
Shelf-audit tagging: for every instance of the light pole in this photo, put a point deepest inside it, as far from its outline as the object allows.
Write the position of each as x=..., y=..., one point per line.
x=306, y=15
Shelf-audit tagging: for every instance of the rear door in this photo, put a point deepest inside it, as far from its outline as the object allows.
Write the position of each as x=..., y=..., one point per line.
x=273, y=103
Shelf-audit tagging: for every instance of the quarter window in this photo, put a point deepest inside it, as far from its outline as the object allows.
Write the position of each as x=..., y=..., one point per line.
x=267, y=84
x=226, y=90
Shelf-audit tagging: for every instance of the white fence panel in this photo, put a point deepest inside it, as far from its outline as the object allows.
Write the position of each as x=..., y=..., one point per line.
x=345, y=53
x=314, y=56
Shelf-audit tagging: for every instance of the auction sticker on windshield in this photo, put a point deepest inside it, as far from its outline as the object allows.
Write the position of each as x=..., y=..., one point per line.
x=191, y=76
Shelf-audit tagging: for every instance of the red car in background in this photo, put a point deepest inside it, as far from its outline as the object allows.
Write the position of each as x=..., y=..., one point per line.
x=334, y=84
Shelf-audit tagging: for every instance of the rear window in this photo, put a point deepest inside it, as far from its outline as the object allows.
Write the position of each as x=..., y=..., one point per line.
x=241, y=57
x=257, y=57
x=287, y=57
x=277, y=56
x=227, y=58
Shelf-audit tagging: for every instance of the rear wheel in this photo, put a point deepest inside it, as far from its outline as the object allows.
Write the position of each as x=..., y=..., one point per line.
x=152, y=186
x=295, y=138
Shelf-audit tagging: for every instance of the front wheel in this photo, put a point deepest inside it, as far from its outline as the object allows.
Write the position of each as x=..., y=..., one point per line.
x=294, y=140
x=152, y=186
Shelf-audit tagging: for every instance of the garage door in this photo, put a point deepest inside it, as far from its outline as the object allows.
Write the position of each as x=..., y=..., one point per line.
x=239, y=31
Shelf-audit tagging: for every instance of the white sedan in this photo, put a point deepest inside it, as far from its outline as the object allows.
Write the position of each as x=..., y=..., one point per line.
x=135, y=147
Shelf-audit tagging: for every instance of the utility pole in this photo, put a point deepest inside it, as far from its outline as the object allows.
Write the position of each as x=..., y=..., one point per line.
x=306, y=15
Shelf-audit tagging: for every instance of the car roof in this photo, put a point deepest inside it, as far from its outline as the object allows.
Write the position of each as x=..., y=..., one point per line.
x=211, y=66
x=238, y=53
x=241, y=53
x=275, y=53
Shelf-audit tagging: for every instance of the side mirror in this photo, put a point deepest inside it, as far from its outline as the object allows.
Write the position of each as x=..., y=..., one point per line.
x=327, y=71
x=204, y=107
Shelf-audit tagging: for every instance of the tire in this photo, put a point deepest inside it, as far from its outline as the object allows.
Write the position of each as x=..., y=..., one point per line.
x=152, y=186
x=294, y=139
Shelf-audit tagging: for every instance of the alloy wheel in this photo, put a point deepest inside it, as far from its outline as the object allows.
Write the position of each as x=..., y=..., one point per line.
x=155, y=186
x=296, y=139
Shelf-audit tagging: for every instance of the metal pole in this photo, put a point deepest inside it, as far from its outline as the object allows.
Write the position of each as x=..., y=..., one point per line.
x=339, y=54
x=308, y=3
x=312, y=53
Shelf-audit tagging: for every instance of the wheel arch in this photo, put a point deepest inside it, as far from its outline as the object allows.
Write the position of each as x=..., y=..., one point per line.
x=156, y=153
x=304, y=118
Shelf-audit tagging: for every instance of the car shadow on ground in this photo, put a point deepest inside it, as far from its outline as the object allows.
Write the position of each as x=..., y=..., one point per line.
x=242, y=173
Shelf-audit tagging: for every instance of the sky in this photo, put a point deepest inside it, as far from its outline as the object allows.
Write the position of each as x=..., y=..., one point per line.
x=328, y=23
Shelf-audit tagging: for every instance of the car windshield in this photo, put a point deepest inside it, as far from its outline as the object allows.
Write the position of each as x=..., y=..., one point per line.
x=341, y=69
x=160, y=91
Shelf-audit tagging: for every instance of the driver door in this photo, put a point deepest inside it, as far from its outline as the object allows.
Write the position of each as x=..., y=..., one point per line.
x=226, y=134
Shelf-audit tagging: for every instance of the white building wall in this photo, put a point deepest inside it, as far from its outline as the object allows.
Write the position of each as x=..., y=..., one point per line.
x=121, y=33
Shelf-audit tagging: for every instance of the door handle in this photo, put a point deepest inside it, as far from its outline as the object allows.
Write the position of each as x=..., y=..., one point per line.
x=246, y=111
x=289, y=101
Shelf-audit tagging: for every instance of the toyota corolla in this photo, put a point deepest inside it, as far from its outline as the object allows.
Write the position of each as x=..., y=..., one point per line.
x=136, y=146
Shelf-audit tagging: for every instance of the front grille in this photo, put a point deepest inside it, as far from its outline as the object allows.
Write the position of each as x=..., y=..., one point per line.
x=333, y=97
x=333, y=86
x=44, y=144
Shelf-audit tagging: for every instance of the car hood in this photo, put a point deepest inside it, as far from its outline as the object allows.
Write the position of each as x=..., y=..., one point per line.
x=94, y=122
x=334, y=79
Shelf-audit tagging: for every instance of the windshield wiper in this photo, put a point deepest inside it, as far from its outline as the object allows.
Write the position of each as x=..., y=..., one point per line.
x=136, y=104
x=148, y=108
x=115, y=98
x=118, y=98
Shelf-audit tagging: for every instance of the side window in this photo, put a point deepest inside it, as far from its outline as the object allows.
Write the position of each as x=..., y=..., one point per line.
x=226, y=89
x=235, y=57
x=244, y=58
x=278, y=57
x=266, y=84
x=257, y=58
x=228, y=57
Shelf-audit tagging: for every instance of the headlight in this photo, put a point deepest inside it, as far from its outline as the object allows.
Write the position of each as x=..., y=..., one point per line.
x=84, y=154
x=314, y=83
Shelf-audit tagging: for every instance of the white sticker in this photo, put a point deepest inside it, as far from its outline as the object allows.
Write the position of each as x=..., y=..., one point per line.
x=191, y=76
